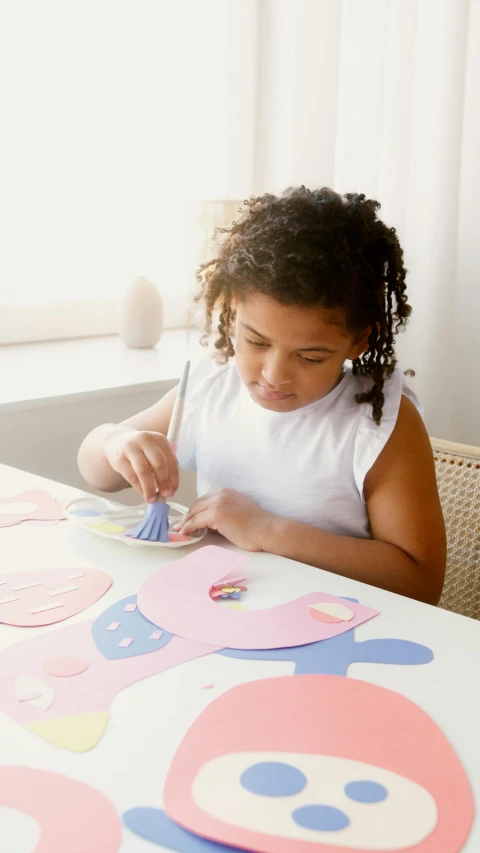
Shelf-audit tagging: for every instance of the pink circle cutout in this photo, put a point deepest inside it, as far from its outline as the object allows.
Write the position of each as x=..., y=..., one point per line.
x=63, y=667
x=330, y=612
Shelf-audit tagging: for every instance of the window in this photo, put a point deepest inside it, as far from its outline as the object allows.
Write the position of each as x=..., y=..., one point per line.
x=116, y=119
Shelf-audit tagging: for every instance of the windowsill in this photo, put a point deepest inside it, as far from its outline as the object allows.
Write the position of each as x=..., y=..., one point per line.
x=54, y=372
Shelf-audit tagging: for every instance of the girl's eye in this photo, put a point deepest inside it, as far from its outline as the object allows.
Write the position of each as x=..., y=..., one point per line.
x=255, y=343
x=313, y=360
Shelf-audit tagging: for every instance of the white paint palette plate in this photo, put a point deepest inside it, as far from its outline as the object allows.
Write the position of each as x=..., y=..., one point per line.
x=114, y=521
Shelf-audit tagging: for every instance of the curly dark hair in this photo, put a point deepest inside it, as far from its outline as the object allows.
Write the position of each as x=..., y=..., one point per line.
x=313, y=248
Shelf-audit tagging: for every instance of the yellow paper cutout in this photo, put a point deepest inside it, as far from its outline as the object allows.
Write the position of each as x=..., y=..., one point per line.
x=236, y=606
x=106, y=527
x=78, y=733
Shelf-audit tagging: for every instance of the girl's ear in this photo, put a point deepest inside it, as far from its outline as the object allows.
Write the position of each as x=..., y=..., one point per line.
x=360, y=345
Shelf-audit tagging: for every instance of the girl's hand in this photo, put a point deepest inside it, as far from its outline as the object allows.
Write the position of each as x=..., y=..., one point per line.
x=144, y=459
x=233, y=515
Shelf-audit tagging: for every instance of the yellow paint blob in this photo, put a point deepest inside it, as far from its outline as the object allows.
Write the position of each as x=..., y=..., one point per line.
x=236, y=606
x=78, y=733
x=107, y=527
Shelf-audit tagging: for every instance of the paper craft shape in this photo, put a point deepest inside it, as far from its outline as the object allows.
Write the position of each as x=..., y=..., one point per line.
x=154, y=825
x=34, y=691
x=65, y=667
x=32, y=598
x=71, y=709
x=334, y=656
x=36, y=505
x=72, y=816
x=231, y=588
x=123, y=621
x=177, y=599
x=284, y=764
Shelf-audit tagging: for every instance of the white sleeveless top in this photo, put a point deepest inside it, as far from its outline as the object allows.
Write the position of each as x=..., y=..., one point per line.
x=309, y=464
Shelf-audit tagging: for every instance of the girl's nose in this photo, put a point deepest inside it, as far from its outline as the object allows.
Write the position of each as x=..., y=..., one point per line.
x=275, y=370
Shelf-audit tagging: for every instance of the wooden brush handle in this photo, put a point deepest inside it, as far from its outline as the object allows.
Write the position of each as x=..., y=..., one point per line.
x=177, y=413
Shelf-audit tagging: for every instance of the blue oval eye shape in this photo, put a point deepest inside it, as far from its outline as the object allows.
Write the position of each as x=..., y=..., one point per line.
x=366, y=791
x=321, y=818
x=273, y=779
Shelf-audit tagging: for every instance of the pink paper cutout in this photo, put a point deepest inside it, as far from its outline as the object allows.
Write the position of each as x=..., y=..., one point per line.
x=229, y=580
x=48, y=509
x=36, y=523
x=177, y=599
x=42, y=605
x=292, y=718
x=125, y=643
x=64, y=667
x=130, y=608
x=156, y=635
x=323, y=616
x=92, y=690
x=72, y=816
x=113, y=626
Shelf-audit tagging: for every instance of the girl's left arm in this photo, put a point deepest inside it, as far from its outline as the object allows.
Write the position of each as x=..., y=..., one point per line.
x=407, y=552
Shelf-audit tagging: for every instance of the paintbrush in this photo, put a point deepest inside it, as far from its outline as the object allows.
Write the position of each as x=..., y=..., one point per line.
x=154, y=526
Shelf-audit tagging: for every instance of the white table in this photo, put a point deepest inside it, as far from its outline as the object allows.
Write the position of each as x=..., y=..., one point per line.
x=150, y=718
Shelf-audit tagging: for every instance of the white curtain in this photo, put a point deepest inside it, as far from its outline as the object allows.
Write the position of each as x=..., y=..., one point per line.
x=380, y=97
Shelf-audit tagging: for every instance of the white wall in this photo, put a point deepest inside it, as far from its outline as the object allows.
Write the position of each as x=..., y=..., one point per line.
x=44, y=439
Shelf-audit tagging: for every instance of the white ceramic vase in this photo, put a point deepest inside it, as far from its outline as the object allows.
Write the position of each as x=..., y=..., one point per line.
x=141, y=315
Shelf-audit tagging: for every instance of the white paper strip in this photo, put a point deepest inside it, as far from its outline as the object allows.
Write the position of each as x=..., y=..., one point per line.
x=46, y=607
x=62, y=589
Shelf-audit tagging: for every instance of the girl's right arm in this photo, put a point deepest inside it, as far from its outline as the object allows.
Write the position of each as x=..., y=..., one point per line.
x=133, y=453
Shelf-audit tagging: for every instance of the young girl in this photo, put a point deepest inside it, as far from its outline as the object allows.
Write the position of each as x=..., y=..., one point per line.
x=296, y=453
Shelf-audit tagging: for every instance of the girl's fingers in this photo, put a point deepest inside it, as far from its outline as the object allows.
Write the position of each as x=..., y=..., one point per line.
x=143, y=472
x=159, y=465
x=161, y=457
x=128, y=474
x=197, y=522
x=200, y=505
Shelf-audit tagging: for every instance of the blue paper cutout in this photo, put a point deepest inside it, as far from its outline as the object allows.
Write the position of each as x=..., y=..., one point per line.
x=334, y=656
x=154, y=825
x=273, y=779
x=366, y=791
x=321, y=818
x=132, y=624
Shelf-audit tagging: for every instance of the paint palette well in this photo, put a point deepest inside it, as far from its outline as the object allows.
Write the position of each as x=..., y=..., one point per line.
x=114, y=521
